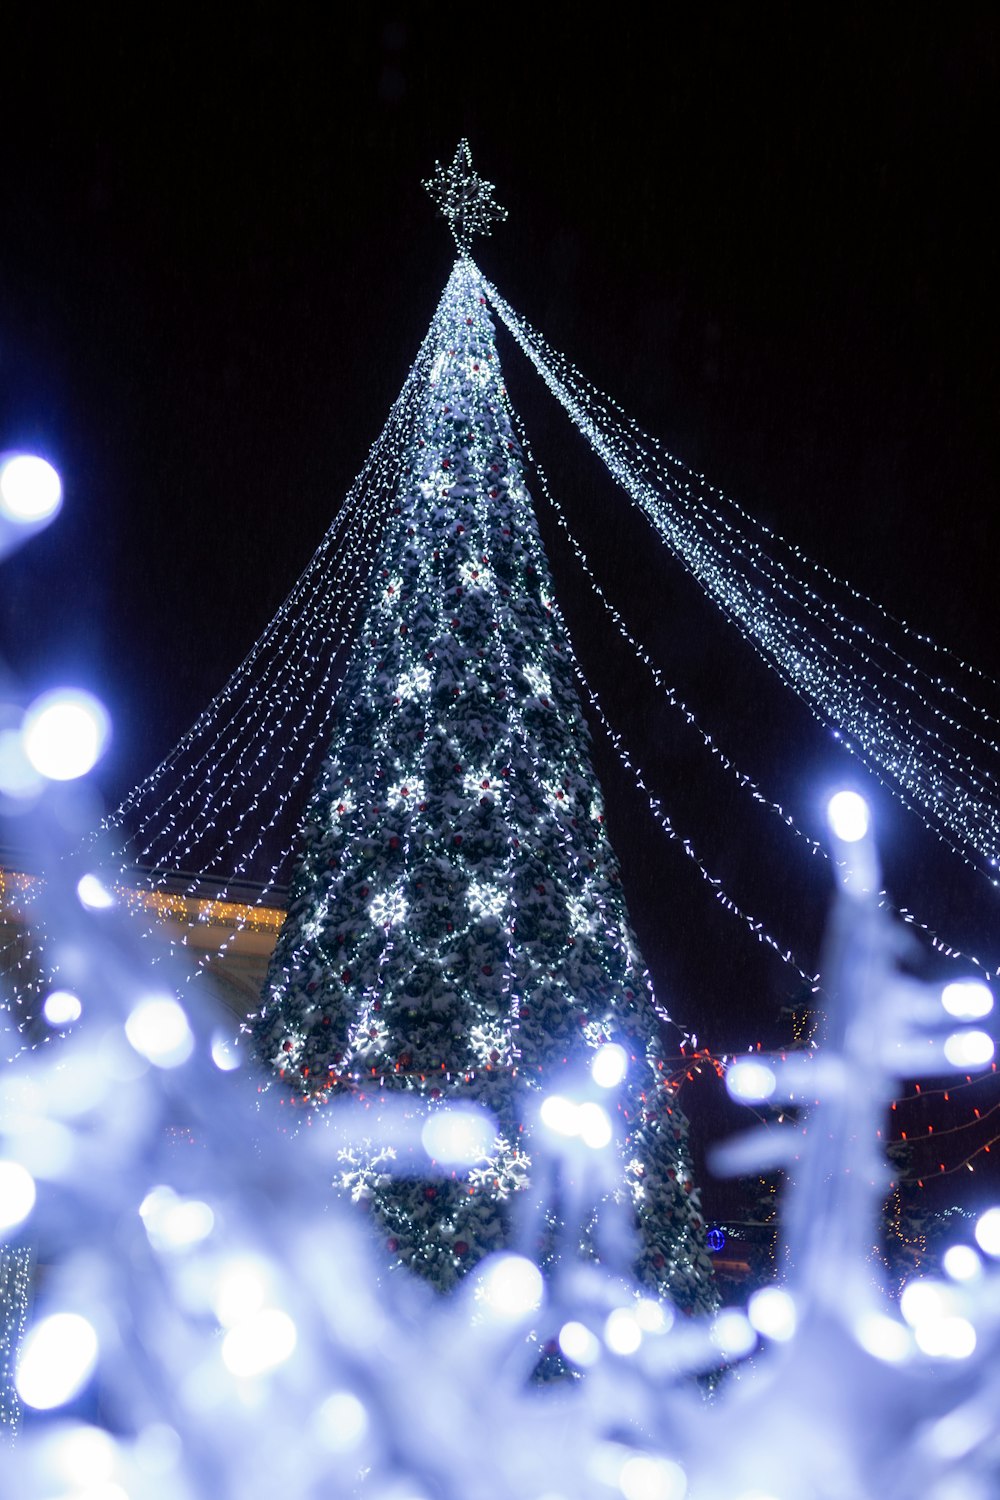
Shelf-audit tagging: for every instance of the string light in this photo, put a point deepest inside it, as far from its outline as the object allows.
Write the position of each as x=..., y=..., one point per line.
x=464, y=199
x=792, y=627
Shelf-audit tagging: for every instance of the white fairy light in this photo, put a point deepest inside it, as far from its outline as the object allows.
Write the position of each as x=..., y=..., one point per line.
x=988, y=1233
x=17, y=1195
x=57, y=1359
x=560, y=1115
x=65, y=733
x=961, y=1263
x=578, y=1344
x=62, y=1008
x=30, y=488
x=860, y=683
x=750, y=1081
x=458, y=1137
x=609, y=1066
x=969, y=1049
x=225, y=1054
x=771, y=1310
x=173, y=1223
x=341, y=1422
x=848, y=816
x=967, y=999
x=464, y=198
x=93, y=893
x=646, y=1477
x=157, y=1027
x=732, y=1334
x=241, y=1288
x=594, y=1125
x=622, y=1331
x=259, y=1343
x=510, y=1286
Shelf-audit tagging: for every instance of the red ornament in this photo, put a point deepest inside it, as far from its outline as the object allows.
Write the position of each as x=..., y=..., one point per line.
x=461, y=1248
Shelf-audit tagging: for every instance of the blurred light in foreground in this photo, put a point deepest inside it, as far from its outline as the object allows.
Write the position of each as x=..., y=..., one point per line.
x=967, y=999
x=653, y=1317
x=65, y=733
x=925, y=1300
x=18, y=777
x=560, y=1115
x=622, y=1333
x=590, y=1122
x=62, y=1008
x=511, y=1286
x=883, y=1338
x=172, y=1222
x=750, y=1081
x=158, y=1029
x=17, y=1194
x=578, y=1344
x=341, y=1422
x=961, y=1263
x=609, y=1066
x=225, y=1053
x=772, y=1312
x=946, y=1338
x=929, y=1306
x=595, y=1126
x=241, y=1289
x=93, y=894
x=30, y=488
x=57, y=1360
x=457, y=1137
x=732, y=1334
x=847, y=814
x=84, y=1456
x=259, y=1343
x=969, y=1049
x=644, y=1477
x=988, y=1232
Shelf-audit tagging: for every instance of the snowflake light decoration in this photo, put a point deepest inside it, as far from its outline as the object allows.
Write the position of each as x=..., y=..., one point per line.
x=464, y=198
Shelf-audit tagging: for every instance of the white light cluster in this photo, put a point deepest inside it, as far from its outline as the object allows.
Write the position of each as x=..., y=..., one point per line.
x=30, y=489
x=849, y=678
x=464, y=198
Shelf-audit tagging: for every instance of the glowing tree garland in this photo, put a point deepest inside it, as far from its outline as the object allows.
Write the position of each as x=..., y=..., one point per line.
x=457, y=927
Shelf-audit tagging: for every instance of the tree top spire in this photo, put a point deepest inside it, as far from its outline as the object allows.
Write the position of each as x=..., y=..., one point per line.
x=464, y=198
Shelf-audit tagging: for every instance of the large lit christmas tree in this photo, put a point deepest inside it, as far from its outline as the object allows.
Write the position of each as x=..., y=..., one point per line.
x=457, y=926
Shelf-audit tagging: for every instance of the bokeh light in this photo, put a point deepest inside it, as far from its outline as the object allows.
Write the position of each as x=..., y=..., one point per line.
x=17, y=1194
x=57, y=1360
x=848, y=816
x=65, y=733
x=30, y=488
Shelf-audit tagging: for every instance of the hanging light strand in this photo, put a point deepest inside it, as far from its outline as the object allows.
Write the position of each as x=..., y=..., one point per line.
x=914, y=761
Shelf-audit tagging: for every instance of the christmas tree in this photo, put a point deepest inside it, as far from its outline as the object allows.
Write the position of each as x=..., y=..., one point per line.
x=457, y=926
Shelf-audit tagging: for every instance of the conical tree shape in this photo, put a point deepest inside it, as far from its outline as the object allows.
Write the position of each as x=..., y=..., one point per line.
x=457, y=925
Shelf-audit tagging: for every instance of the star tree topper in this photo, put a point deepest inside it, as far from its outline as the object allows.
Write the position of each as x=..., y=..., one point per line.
x=464, y=198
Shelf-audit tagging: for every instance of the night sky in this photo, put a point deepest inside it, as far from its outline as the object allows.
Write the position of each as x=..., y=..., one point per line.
x=767, y=231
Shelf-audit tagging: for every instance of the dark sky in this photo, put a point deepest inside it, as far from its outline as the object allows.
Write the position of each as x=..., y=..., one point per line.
x=767, y=231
